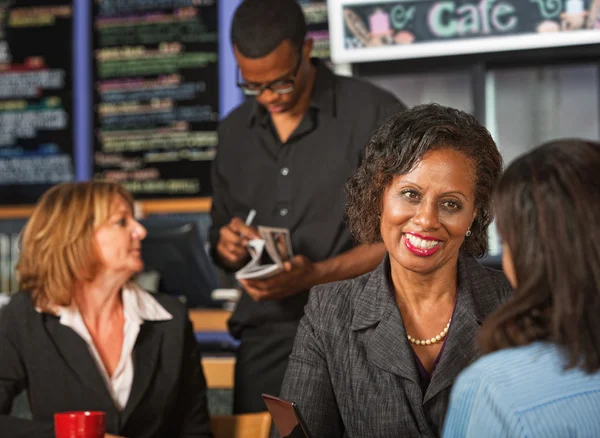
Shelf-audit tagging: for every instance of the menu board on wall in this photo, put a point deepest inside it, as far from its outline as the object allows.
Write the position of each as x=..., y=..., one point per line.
x=372, y=30
x=36, y=140
x=156, y=95
x=315, y=12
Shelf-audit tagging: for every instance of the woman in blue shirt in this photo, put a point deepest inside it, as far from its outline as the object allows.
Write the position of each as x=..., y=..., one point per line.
x=542, y=376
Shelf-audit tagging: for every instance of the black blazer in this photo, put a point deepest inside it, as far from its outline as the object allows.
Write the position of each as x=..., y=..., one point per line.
x=50, y=361
x=352, y=371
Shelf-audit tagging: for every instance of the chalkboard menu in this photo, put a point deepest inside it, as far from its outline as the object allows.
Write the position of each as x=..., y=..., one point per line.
x=36, y=100
x=315, y=12
x=156, y=95
x=372, y=30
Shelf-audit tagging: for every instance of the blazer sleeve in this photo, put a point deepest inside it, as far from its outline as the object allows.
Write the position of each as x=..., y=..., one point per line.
x=307, y=380
x=13, y=380
x=192, y=407
x=477, y=410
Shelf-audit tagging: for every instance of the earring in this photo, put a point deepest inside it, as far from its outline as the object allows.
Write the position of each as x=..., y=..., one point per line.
x=468, y=233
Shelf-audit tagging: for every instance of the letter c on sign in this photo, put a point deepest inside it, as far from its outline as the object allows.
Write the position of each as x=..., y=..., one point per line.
x=435, y=19
x=501, y=10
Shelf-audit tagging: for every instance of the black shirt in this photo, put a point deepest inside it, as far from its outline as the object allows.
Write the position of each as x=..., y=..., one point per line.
x=298, y=184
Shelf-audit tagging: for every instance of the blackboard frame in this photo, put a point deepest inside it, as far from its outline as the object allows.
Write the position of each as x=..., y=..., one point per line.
x=143, y=207
x=386, y=49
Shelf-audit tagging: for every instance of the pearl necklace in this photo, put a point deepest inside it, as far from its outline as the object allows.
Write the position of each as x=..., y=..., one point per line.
x=431, y=341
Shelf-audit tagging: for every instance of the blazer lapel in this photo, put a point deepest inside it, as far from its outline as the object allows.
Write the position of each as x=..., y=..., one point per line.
x=388, y=347
x=77, y=356
x=377, y=314
x=477, y=297
x=459, y=349
x=145, y=358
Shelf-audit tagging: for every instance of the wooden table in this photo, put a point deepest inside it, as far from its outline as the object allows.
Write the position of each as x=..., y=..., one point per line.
x=218, y=370
x=209, y=320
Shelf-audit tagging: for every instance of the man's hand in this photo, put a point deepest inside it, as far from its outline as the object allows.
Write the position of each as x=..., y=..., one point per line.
x=299, y=274
x=233, y=241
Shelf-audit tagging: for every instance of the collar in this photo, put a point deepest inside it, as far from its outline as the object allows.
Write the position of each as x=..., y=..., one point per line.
x=138, y=306
x=374, y=297
x=322, y=98
x=386, y=344
x=474, y=284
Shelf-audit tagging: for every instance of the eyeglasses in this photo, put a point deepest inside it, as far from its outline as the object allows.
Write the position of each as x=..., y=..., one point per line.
x=284, y=86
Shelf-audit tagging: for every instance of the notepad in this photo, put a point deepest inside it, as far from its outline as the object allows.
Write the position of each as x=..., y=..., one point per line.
x=268, y=254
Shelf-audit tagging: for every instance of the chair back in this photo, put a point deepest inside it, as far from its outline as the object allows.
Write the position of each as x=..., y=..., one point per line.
x=257, y=425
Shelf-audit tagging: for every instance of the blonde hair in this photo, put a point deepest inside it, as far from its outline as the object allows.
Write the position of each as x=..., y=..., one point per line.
x=57, y=244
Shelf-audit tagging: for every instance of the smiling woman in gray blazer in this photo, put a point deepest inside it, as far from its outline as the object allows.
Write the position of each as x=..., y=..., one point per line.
x=377, y=355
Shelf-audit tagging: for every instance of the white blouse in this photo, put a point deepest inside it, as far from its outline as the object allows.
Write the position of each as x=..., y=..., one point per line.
x=138, y=306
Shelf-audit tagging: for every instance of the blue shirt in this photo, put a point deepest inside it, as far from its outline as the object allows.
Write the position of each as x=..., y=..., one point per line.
x=524, y=392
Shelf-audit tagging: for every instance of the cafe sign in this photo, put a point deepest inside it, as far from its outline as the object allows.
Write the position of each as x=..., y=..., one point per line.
x=368, y=30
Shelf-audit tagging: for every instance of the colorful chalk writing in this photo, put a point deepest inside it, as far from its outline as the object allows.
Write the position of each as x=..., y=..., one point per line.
x=156, y=95
x=36, y=99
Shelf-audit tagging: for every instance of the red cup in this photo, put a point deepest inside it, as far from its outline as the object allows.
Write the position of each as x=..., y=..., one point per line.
x=80, y=424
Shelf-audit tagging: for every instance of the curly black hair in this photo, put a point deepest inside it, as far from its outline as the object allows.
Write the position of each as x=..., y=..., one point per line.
x=396, y=148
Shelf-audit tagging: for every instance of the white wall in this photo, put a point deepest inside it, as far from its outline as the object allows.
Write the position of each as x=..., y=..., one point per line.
x=451, y=89
x=540, y=104
x=530, y=105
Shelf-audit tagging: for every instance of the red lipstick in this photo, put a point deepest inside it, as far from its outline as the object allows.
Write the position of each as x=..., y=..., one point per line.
x=422, y=237
x=421, y=252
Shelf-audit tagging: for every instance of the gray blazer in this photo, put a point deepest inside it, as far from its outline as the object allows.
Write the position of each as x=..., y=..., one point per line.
x=352, y=371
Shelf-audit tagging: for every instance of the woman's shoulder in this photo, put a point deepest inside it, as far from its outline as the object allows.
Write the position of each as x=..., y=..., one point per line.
x=526, y=377
x=527, y=357
x=337, y=302
x=490, y=285
x=21, y=298
x=171, y=304
x=19, y=314
x=535, y=367
x=152, y=306
x=341, y=292
x=20, y=304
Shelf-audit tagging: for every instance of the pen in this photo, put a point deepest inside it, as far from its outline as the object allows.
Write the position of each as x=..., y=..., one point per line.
x=249, y=220
x=250, y=217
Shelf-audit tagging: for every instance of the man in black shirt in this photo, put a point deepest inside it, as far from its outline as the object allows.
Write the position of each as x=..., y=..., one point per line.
x=287, y=153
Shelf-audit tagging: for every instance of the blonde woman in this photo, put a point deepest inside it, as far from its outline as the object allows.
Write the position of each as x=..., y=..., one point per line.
x=81, y=336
